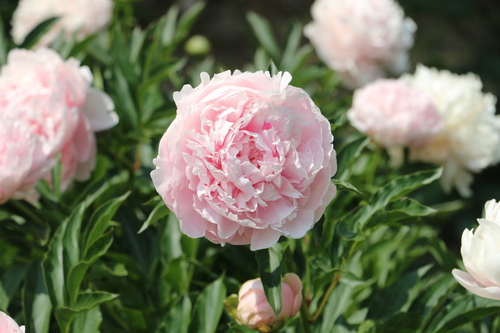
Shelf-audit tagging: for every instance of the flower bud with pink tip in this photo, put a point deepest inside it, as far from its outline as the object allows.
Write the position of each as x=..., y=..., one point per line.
x=254, y=310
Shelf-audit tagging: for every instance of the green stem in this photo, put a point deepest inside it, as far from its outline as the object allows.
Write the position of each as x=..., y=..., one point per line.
x=326, y=297
x=289, y=259
x=373, y=166
x=26, y=211
x=304, y=317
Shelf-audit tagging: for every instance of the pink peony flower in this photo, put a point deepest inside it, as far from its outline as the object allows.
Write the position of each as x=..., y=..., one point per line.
x=481, y=255
x=8, y=325
x=247, y=159
x=395, y=114
x=22, y=161
x=54, y=99
x=79, y=17
x=254, y=310
x=361, y=39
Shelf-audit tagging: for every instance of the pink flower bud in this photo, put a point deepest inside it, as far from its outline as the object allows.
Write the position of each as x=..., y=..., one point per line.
x=254, y=310
x=8, y=325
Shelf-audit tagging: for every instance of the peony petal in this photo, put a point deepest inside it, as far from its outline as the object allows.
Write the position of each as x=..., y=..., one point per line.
x=264, y=238
x=99, y=109
x=468, y=282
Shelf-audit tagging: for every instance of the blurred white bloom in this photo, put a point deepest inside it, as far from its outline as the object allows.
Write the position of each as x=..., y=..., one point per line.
x=361, y=39
x=481, y=255
x=470, y=138
x=82, y=17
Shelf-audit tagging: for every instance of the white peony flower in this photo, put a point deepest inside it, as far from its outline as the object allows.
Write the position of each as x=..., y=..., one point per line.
x=361, y=39
x=481, y=255
x=82, y=17
x=470, y=138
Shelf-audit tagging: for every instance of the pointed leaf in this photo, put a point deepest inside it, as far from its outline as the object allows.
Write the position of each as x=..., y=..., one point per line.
x=395, y=189
x=209, y=307
x=36, y=301
x=264, y=34
x=348, y=154
x=99, y=222
x=270, y=265
x=37, y=33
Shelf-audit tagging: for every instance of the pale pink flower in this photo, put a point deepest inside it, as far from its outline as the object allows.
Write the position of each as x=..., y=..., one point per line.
x=247, y=159
x=8, y=325
x=481, y=255
x=394, y=114
x=254, y=310
x=54, y=98
x=363, y=40
x=22, y=161
x=79, y=17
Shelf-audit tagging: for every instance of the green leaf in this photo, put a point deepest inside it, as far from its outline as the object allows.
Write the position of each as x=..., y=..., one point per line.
x=270, y=265
x=461, y=311
x=36, y=301
x=168, y=31
x=209, y=307
x=178, y=318
x=88, y=322
x=77, y=272
x=53, y=268
x=395, y=189
x=337, y=303
x=289, y=61
x=176, y=274
x=348, y=154
x=125, y=101
x=400, y=210
x=187, y=20
x=399, y=295
x=402, y=323
x=9, y=283
x=99, y=222
x=342, y=185
x=32, y=38
x=261, y=59
x=264, y=34
x=136, y=43
x=4, y=47
x=71, y=250
x=86, y=301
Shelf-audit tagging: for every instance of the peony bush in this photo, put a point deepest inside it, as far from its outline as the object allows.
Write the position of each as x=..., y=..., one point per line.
x=151, y=183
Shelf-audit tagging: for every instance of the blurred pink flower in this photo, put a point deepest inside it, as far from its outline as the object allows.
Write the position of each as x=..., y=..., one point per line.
x=481, y=255
x=79, y=17
x=8, y=325
x=22, y=161
x=394, y=114
x=247, y=159
x=361, y=39
x=254, y=310
x=54, y=99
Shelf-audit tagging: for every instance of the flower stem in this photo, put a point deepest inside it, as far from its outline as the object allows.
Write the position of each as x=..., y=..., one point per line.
x=304, y=317
x=326, y=297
